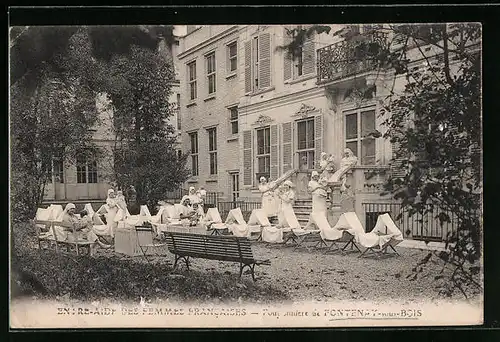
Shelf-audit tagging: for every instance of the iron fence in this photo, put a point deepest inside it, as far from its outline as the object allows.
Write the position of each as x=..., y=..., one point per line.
x=212, y=198
x=245, y=206
x=417, y=226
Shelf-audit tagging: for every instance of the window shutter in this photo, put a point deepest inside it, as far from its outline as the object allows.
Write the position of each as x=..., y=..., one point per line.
x=318, y=138
x=308, y=56
x=248, y=67
x=396, y=163
x=287, y=60
x=264, y=60
x=247, y=157
x=287, y=146
x=274, y=152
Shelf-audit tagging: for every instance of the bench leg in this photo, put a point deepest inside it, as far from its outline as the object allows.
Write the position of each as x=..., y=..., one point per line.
x=175, y=262
x=251, y=267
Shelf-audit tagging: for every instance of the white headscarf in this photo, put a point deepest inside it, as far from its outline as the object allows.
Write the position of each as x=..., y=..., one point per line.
x=262, y=179
x=65, y=211
x=110, y=201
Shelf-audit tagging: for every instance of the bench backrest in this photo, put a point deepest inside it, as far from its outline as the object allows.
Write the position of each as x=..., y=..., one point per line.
x=229, y=248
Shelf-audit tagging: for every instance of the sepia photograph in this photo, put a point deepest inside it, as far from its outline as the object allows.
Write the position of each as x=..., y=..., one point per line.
x=246, y=176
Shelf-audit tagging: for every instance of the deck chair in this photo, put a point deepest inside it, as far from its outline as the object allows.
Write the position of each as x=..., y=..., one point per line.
x=329, y=236
x=43, y=227
x=257, y=221
x=213, y=222
x=98, y=226
x=145, y=212
x=272, y=234
x=311, y=231
x=167, y=218
x=145, y=240
x=386, y=234
x=351, y=227
x=56, y=211
x=43, y=214
x=236, y=223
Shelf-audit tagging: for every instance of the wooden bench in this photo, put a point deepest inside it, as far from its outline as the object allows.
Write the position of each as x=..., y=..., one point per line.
x=223, y=248
x=78, y=244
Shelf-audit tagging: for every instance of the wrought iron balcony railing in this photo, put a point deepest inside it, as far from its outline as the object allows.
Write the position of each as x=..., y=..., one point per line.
x=349, y=57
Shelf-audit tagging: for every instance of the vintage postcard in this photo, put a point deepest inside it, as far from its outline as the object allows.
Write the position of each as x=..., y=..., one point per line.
x=246, y=176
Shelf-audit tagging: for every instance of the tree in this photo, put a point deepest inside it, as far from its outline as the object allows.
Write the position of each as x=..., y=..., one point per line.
x=144, y=151
x=49, y=67
x=436, y=124
x=51, y=111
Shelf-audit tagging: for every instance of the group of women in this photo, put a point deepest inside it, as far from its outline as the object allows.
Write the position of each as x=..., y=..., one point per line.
x=277, y=201
x=95, y=227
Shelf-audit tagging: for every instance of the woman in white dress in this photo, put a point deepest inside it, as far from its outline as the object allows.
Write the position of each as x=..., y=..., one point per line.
x=83, y=228
x=268, y=197
x=346, y=163
x=286, y=216
x=112, y=209
x=327, y=166
x=317, y=187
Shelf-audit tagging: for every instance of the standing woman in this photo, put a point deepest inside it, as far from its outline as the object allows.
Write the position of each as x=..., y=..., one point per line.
x=317, y=188
x=287, y=216
x=327, y=166
x=268, y=200
x=112, y=208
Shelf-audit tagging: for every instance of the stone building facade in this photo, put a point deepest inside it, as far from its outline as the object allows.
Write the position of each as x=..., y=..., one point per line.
x=290, y=109
x=210, y=68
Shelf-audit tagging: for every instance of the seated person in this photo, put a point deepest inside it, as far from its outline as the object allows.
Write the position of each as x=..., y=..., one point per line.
x=83, y=227
x=190, y=212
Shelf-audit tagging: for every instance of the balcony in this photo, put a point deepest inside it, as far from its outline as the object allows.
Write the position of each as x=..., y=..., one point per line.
x=349, y=57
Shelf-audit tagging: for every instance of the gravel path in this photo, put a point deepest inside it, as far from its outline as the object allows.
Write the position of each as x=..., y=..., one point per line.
x=310, y=274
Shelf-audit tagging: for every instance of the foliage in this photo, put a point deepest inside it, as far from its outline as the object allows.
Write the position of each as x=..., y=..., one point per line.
x=51, y=112
x=435, y=123
x=56, y=75
x=144, y=151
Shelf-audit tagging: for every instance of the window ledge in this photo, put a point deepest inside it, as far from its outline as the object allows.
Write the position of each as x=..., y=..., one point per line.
x=233, y=138
x=192, y=103
x=210, y=97
x=193, y=180
x=212, y=179
x=261, y=91
x=301, y=79
x=231, y=75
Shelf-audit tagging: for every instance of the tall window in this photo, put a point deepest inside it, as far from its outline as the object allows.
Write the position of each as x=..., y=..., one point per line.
x=263, y=152
x=58, y=170
x=255, y=58
x=211, y=73
x=358, y=126
x=305, y=143
x=232, y=54
x=233, y=119
x=298, y=65
x=86, y=169
x=212, y=150
x=194, y=153
x=192, y=80
x=235, y=186
x=178, y=111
